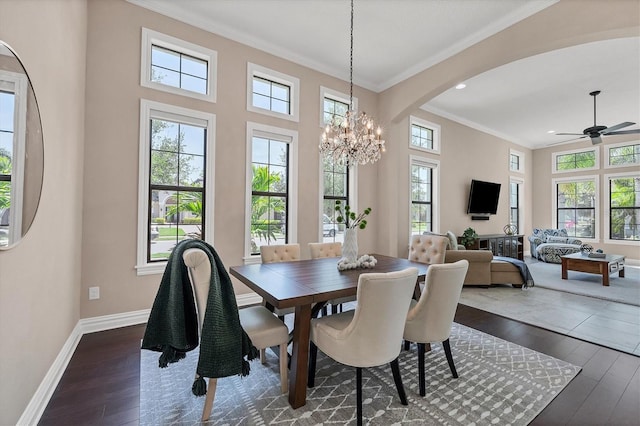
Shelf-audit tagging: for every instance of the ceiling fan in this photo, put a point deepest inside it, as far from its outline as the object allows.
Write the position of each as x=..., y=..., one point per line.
x=596, y=132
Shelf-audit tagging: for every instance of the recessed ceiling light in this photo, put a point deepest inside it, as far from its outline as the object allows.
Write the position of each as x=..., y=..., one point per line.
x=551, y=131
x=460, y=86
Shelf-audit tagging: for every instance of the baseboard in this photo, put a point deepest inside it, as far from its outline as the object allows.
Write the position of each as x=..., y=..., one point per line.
x=40, y=399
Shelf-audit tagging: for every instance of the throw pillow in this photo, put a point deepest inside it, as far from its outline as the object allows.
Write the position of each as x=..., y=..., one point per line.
x=552, y=239
x=453, y=240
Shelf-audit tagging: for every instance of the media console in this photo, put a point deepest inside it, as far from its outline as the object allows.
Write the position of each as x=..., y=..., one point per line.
x=500, y=245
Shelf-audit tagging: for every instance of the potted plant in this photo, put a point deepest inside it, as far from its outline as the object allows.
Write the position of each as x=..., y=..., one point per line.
x=468, y=237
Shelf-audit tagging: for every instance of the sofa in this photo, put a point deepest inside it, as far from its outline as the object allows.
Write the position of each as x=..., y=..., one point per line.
x=548, y=244
x=484, y=270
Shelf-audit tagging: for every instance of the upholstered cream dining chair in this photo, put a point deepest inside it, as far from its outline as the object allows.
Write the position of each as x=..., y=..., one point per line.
x=320, y=250
x=262, y=327
x=370, y=335
x=280, y=253
x=428, y=248
x=431, y=317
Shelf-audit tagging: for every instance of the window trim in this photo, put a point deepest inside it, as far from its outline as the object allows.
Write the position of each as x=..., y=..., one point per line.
x=294, y=91
x=520, y=156
x=607, y=150
x=19, y=87
x=290, y=137
x=597, y=208
x=607, y=215
x=520, y=182
x=435, y=186
x=435, y=128
x=555, y=155
x=152, y=109
x=150, y=38
x=334, y=95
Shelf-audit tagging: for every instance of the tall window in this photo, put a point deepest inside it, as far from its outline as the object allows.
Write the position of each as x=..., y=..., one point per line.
x=272, y=93
x=423, y=193
x=576, y=202
x=424, y=135
x=623, y=154
x=272, y=157
x=624, y=207
x=177, y=66
x=175, y=180
x=568, y=161
x=514, y=205
x=335, y=181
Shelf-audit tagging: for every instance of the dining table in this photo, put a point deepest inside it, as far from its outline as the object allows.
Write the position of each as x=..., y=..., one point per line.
x=306, y=285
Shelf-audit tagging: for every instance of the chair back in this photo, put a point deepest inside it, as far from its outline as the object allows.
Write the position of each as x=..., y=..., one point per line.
x=429, y=249
x=375, y=332
x=280, y=253
x=199, y=267
x=319, y=250
x=432, y=316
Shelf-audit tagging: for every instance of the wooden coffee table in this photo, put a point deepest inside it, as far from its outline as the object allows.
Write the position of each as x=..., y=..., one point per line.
x=593, y=265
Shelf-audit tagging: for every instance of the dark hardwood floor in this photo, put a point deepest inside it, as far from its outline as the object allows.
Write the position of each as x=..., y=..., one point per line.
x=102, y=383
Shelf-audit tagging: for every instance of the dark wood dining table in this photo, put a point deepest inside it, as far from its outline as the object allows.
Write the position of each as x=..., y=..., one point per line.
x=301, y=284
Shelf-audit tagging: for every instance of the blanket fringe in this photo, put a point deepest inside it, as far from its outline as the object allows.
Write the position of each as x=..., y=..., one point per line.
x=199, y=387
x=246, y=368
x=170, y=355
x=253, y=353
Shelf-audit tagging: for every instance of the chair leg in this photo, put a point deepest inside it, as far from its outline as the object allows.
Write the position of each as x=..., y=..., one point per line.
x=397, y=378
x=407, y=344
x=313, y=355
x=421, y=351
x=284, y=370
x=208, y=402
x=359, y=395
x=263, y=356
x=447, y=351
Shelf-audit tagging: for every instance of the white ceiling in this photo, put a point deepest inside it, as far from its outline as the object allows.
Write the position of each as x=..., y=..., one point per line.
x=394, y=40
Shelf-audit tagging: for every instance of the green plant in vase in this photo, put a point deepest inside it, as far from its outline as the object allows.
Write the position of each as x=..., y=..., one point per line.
x=468, y=237
x=350, y=219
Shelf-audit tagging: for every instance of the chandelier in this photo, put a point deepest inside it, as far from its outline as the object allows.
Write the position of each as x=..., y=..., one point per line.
x=354, y=138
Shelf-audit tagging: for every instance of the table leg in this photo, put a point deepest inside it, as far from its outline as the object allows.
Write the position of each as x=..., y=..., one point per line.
x=300, y=357
x=564, y=268
x=621, y=272
x=604, y=268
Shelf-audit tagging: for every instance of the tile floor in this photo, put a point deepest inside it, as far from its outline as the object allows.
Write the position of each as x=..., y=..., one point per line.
x=611, y=324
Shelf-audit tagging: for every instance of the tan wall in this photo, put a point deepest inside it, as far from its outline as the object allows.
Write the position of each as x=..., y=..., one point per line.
x=40, y=277
x=543, y=186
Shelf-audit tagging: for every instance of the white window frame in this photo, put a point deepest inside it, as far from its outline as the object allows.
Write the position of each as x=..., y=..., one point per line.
x=18, y=84
x=148, y=110
x=435, y=128
x=435, y=196
x=520, y=182
x=598, y=205
x=284, y=135
x=328, y=93
x=520, y=156
x=555, y=155
x=151, y=38
x=352, y=191
x=607, y=149
x=605, y=208
x=254, y=70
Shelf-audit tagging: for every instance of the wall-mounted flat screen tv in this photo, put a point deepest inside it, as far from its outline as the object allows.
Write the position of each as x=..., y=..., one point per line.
x=483, y=197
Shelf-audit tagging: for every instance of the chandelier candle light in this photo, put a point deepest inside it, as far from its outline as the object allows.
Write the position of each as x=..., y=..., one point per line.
x=354, y=138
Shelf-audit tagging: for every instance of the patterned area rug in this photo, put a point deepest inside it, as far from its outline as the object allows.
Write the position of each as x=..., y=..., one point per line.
x=500, y=382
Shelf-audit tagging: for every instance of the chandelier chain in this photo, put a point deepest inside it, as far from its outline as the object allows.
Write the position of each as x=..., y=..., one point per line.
x=351, y=63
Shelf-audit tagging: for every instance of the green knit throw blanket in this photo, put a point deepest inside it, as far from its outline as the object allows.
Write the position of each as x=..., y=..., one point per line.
x=173, y=323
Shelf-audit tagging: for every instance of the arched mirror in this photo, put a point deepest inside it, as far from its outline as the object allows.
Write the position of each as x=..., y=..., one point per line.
x=21, y=150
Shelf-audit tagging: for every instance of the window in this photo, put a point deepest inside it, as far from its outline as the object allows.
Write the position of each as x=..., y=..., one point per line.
x=516, y=161
x=335, y=186
x=272, y=93
x=568, y=161
x=576, y=201
x=423, y=182
x=334, y=104
x=623, y=154
x=271, y=196
x=515, y=201
x=13, y=116
x=424, y=135
x=624, y=207
x=176, y=66
x=175, y=183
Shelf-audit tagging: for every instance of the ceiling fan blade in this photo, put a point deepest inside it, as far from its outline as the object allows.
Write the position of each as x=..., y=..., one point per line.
x=566, y=140
x=624, y=132
x=616, y=127
x=570, y=134
x=596, y=140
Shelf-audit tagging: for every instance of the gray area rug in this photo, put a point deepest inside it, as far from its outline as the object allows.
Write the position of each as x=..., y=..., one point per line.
x=621, y=289
x=500, y=382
